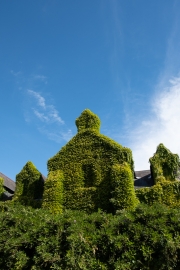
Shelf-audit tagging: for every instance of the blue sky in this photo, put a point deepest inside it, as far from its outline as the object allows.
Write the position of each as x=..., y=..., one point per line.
x=120, y=59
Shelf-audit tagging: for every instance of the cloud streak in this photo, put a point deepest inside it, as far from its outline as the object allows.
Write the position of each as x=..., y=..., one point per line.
x=45, y=113
x=48, y=118
x=38, y=110
x=38, y=97
x=41, y=116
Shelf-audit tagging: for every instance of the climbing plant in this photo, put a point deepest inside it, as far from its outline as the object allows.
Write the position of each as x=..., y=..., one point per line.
x=164, y=192
x=123, y=194
x=29, y=186
x=1, y=188
x=53, y=192
x=164, y=164
x=86, y=162
x=88, y=120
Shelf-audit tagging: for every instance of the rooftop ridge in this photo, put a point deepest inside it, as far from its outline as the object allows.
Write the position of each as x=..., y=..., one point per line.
x=8, y=183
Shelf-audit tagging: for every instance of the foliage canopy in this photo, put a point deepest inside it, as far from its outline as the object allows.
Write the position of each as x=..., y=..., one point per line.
x=145, y=238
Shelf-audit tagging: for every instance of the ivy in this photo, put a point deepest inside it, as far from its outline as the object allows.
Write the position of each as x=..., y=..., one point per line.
x=86, y=162
x=123, y=194
x=53, y=192
x=164, y=192
x=2, y=190
x=164, y=164
x=29, y=186
x=88, y=120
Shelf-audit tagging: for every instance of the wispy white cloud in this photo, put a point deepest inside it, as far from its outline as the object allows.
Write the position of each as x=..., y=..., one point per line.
x=53, y=114
x=44, y=112
x=41, y=116
x=161, y=127
x=38, y=97
x=38, y=110
x=49, y=118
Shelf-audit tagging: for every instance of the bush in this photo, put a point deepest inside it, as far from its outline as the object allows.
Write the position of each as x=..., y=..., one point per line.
x=146, y=238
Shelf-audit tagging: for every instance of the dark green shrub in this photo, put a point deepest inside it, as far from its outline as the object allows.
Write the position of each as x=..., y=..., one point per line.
x=53, y=192
x=146, y=238
x=86, y=162
x=29, y=186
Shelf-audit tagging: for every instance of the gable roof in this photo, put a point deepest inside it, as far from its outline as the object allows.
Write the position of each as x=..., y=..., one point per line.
x=8, y=183
x=139, y=174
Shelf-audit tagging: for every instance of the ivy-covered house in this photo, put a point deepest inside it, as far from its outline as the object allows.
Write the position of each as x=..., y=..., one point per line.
x=91, y=171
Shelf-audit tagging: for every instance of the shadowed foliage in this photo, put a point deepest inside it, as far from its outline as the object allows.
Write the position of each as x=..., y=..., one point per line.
x=146, y=238
x=29, y=186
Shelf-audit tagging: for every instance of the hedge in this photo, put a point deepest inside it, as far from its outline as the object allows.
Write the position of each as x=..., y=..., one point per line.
x=147, y=238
